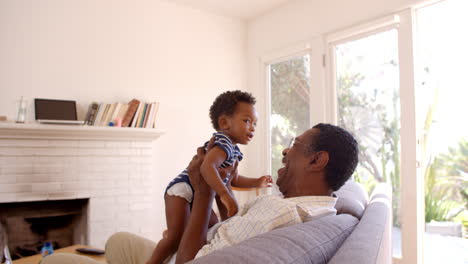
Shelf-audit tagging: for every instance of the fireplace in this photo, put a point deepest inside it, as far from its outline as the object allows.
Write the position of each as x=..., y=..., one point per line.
x=113, y=168
x=29, y=224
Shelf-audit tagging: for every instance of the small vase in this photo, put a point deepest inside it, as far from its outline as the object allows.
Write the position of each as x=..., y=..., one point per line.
x=22, y=108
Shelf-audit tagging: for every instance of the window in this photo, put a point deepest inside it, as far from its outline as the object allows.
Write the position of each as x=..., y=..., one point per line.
x=289, y=86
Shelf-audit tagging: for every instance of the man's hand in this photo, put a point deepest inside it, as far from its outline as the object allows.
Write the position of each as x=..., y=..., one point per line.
x=198, y=183
x=229, y=172
x=193, y=168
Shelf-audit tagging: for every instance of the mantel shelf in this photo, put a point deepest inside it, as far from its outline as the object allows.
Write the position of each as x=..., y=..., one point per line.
x=76, y=132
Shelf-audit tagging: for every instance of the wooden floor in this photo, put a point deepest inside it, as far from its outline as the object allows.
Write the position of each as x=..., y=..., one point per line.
x=71, y=249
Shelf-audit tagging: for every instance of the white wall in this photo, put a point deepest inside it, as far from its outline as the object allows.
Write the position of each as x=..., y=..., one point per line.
x=289, y=25
x=115, y=50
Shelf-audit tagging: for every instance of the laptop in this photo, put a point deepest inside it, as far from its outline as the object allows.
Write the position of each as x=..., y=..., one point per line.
x=50, y=111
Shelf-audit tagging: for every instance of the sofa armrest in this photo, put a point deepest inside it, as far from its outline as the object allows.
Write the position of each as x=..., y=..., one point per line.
x=370, y=242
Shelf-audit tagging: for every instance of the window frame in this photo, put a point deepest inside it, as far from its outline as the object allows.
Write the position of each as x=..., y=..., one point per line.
x=323, y=108
x=315, y=49
x=412, y=187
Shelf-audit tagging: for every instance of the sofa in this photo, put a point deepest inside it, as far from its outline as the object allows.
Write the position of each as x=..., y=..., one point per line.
x=360, y=232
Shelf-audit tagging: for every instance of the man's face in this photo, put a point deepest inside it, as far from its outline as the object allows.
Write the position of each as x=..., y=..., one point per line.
x=295, y=162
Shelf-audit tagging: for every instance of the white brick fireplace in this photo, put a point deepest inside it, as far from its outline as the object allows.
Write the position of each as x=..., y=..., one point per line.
x=113, y=167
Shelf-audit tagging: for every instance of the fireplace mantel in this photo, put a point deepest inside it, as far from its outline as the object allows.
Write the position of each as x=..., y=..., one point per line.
x=76, y=132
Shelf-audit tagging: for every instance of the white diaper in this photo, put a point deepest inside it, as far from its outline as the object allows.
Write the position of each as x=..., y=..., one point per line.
x=181, y=189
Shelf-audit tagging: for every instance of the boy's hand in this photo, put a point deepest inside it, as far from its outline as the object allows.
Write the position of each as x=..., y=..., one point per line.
x=230, y=203
x=264, y=181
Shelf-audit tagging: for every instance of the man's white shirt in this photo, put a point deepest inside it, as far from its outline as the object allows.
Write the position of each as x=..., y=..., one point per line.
x=264, y=214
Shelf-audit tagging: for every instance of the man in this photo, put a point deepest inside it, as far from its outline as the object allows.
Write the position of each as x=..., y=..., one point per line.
x=318, y=162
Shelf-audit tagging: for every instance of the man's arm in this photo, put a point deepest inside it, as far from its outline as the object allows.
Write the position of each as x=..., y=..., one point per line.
x=195, y=232
x=194, y=236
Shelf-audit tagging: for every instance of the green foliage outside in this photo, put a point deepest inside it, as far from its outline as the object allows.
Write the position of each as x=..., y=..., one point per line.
x=446, y=191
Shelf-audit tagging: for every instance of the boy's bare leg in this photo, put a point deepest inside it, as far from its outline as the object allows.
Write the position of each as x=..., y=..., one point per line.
x=230, y=203
x=177, y=215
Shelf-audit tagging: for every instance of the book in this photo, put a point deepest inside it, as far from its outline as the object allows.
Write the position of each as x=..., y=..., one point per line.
x=122, y=112
x=91, y=114
x=152, y=115
x=147, y=114
x=142, y=115
x=131, y=111
x=107, y=117
x=137, y=114
x=153, y=120
x=115, y=113
x=103, y=115
x=88, y=114
x=97, y=119
x=92, y=117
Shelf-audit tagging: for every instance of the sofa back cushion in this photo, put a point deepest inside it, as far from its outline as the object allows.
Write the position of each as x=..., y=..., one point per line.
x=312, y=242
x=352, y=199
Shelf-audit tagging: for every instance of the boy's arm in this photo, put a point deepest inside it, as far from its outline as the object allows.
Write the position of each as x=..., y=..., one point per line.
x=209, y=169
x=224, y=172
x=246, y=182
x=210, y=173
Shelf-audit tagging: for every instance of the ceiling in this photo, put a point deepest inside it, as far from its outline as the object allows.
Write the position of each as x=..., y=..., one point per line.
x=242, y=9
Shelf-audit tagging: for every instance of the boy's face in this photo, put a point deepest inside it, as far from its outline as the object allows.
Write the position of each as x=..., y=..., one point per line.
x=240, y=127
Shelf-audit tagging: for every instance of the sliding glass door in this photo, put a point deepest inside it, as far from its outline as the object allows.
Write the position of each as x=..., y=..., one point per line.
x=442, y=93
x=368, y=105
x=371, y=87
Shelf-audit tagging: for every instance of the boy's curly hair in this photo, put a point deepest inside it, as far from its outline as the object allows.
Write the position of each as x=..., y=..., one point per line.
x=225, y=104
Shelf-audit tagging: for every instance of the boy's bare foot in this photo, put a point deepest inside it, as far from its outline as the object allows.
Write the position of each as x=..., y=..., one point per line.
x=230, y=204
